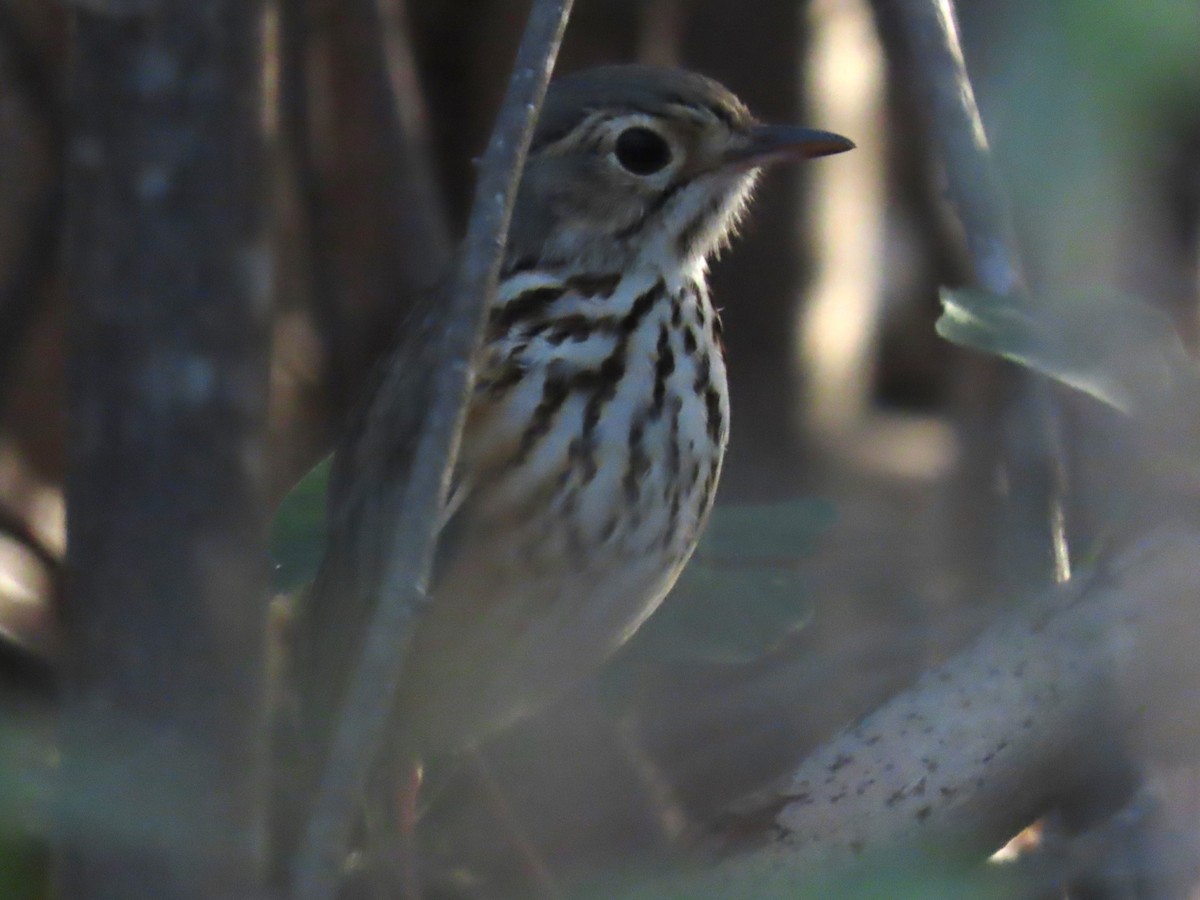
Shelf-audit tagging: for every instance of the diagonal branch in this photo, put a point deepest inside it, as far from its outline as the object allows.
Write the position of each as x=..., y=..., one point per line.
x=411, y=504
x=950, y=768
x=923, y=35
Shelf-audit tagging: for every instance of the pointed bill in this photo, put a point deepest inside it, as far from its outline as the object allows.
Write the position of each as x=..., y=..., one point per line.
x=769, y=144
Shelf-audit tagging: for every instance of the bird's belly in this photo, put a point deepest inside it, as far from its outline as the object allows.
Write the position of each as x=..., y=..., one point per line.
x=589, y=497
x=544, y=588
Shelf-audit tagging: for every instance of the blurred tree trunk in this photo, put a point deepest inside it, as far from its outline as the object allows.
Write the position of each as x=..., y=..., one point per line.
x=363, y=236
x=757, y=286
x=165, y=616
x=381, y=233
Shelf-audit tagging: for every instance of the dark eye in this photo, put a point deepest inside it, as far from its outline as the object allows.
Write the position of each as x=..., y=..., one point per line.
x=642, y=151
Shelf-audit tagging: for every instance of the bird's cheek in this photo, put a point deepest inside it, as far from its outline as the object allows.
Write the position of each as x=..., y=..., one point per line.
x=612, y=209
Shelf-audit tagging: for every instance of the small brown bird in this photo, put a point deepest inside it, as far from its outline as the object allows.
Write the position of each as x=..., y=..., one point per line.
x=600, y=412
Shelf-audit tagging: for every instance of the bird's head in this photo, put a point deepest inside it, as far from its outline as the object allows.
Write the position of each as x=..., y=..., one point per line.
x=633, y=160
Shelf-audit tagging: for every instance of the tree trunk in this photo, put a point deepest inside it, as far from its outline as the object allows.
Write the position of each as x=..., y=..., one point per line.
x=167, y=274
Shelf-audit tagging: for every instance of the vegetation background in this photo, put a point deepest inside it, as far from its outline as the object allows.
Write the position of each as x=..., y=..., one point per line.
x=886, y=494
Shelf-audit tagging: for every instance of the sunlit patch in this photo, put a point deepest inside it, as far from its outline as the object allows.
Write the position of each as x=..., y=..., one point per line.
x=1022, y=843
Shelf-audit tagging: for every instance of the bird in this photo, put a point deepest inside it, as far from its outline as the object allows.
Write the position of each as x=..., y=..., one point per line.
x=599, y=415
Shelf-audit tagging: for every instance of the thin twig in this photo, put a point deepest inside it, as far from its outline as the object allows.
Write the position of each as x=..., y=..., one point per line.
x=541, y=880
x=925, y=34
x=364, y=714
x=931, y=47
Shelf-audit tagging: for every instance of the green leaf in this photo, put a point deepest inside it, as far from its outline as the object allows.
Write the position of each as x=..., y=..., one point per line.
x=298, y=533
x=1121, y=351
x=742, y=595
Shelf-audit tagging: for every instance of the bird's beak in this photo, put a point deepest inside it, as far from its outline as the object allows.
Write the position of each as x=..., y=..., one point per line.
x=768, y=144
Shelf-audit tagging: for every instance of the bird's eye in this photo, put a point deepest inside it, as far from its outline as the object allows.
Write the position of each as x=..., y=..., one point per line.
x=641, y=151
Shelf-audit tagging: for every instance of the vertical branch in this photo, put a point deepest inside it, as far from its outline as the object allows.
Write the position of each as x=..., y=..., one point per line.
x=923, y=36
x=167, y=277
x=410, y=500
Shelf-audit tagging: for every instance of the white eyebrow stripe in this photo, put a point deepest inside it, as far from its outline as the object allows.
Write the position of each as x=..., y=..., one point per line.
x=584, y=131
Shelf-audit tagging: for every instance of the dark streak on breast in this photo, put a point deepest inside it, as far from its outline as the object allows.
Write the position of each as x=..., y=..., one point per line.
x=535, y=302
x=712, y=402
x=664, y=365
x=554, y=394
x=499, y=384
x=703, y=375
x=710, y=484
x=594, y=285
x=602, y=382
x=639, y=464
x=576, y=327
x=527, y=305
x=674, y=451
x=609, y=529
x=672, y=519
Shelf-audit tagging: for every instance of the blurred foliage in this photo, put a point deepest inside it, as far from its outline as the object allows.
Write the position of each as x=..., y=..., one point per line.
x=26, y=758
x=931, y=874
x=24, y=867
x=743, y=594
x=1116, y=349
x=1134, y=50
